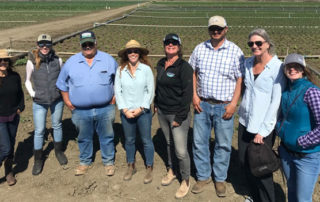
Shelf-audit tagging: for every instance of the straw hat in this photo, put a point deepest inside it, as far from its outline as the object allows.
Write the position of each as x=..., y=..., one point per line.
x=133, y=44
x=4, y=53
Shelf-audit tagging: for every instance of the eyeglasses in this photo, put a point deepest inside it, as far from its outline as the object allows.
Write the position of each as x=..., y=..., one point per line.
x=87, y=45
x=258, y=43
x=173, y=42
x=42, y=45
x=216, y=29
x=136, y=51
x=4, y=60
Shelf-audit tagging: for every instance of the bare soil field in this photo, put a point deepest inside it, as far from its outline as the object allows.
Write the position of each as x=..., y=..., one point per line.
x=58, y=183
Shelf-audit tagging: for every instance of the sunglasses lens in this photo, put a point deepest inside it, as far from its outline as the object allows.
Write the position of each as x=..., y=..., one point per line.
x=86, y=45
x=173, y=42
x=258, y=43
x=136, y=51
x=4, y=60
x=216, y=29
x=48, y=45
x=250, y=43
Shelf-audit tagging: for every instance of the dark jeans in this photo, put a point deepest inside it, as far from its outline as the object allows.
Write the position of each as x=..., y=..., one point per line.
x=261, y=188
x=8, y=132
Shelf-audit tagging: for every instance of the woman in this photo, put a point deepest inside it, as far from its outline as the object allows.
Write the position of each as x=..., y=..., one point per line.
x=134, y=91
x=172, y=102
x=299, y=130
x=43, y=66
x=11, y=105
x=258, y=110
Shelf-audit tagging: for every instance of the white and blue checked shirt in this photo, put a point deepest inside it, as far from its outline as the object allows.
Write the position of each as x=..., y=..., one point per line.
x=217, y=70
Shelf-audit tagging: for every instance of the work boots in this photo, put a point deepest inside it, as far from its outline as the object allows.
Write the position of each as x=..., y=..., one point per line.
x=11, y=180
x=38, y=162
x=58, y=149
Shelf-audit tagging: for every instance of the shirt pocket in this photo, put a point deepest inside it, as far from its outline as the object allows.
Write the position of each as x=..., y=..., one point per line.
x=104, y=77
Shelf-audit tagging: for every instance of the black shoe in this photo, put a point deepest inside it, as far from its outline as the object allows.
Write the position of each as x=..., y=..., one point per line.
x=38, y=162
x=59, y=153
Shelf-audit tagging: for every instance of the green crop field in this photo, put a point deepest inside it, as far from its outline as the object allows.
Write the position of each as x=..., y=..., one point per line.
x=13, y=13
x=294, y=27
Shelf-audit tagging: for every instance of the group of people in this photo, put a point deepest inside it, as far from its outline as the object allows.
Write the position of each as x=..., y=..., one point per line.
x=275, y=96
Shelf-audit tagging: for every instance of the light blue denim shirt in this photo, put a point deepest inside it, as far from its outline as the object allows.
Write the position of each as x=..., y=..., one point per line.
x=261, y=100
x=134, y=91
x=88, y=86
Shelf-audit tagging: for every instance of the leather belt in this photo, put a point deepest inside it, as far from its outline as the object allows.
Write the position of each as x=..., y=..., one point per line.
x=214, y=101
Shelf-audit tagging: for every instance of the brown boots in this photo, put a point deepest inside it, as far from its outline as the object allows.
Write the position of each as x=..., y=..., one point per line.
x=131, y=170
x=148, y=178
x=11, y=180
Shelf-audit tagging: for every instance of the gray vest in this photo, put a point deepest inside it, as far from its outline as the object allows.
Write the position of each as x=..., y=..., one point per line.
x=45, y=78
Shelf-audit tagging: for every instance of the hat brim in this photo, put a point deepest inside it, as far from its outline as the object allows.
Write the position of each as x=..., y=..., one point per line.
x=143, y=51
x=87, y=40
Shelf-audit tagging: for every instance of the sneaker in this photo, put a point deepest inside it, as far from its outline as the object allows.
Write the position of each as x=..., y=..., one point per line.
x=199, y=186
x=81, y=170
x=148, y=178
x=183, y=189
x=166, y=180
x=220, y=189
x=109, y=170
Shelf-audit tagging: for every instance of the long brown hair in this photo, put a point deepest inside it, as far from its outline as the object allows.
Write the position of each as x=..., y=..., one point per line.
x=125, y=62
x=37, y=58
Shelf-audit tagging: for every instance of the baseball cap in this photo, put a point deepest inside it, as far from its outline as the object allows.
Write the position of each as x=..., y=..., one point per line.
x=217, y=21
x=44, y=37
x=295, y=58
x=87, y=36
x=172, y=36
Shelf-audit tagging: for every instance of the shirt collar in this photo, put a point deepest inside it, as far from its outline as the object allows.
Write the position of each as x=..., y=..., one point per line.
x=225, y=44
x=97, y=57
x=138, y=68
x=269, y=65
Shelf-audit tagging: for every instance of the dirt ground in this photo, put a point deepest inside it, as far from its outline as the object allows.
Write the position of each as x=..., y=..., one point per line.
x=58, y=183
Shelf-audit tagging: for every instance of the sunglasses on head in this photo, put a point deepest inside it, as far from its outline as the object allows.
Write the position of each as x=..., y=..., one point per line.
x=133, y=50
x=48, y=45
x=258, y=43
x=87, y=45
x=173, y=42
x=4, y=60
x=216, y=29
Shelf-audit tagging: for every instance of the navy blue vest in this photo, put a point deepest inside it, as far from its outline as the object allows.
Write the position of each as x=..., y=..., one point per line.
x=299, y=120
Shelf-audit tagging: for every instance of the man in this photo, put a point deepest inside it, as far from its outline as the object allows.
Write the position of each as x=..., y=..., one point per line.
x=86, y=83
x=217, y=79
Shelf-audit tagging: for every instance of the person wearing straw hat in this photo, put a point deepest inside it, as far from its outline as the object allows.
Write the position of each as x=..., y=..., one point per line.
x=172, y=104
x=43, y=68
x=299, y=129
x=11, y=105
x=218, y=65
x=86, y=83
x=134, y=91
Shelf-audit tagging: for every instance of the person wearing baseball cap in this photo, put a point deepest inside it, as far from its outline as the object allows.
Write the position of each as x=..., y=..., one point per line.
x=134, y=91
x=86, y=84
x=299, y=129
x=42, y=71
x=172, y=104
x=217, y=65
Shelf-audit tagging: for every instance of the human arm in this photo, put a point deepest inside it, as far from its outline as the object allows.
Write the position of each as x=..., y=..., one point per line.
x=66, y=99
x=21, y=104
x=149, y=89
x=195, y=97
x=312, y=98
x=120, y=100
x=231, y=108
x=28, y=83
x=186, y=78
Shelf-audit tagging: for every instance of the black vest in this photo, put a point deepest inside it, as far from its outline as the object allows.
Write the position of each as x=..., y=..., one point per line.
x=45, y=78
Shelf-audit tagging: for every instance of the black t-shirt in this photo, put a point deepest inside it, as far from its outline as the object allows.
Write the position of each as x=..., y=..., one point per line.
x=11, y=94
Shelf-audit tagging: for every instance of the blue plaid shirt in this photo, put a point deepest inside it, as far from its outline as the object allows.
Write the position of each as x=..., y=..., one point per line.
x=217, y=70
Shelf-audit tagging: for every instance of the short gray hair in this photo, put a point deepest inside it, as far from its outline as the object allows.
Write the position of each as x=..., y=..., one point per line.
x=263, y=33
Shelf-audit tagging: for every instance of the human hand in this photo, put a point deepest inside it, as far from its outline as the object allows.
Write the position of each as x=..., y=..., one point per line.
x=230, y=109
x=18, y=111
x=137, y=112
x=258, y=139
x=175, y=124
x=196, y=103
x=113, y=100
x=69, y=105
x=129, y=114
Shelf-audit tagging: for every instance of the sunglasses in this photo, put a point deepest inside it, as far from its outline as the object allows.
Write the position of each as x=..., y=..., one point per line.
x=173, y=42
x=258, y=43
x=136, y=51
x=216, y=29
x=87, y=45
x=42, y=45
x=4, y=60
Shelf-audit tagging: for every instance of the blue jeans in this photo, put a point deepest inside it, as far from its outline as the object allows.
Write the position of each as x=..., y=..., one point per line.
x=211, y=117
x=301, y=174
x=39, y=119
x=143, y=122
x=99, y=120
x=8, y=132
